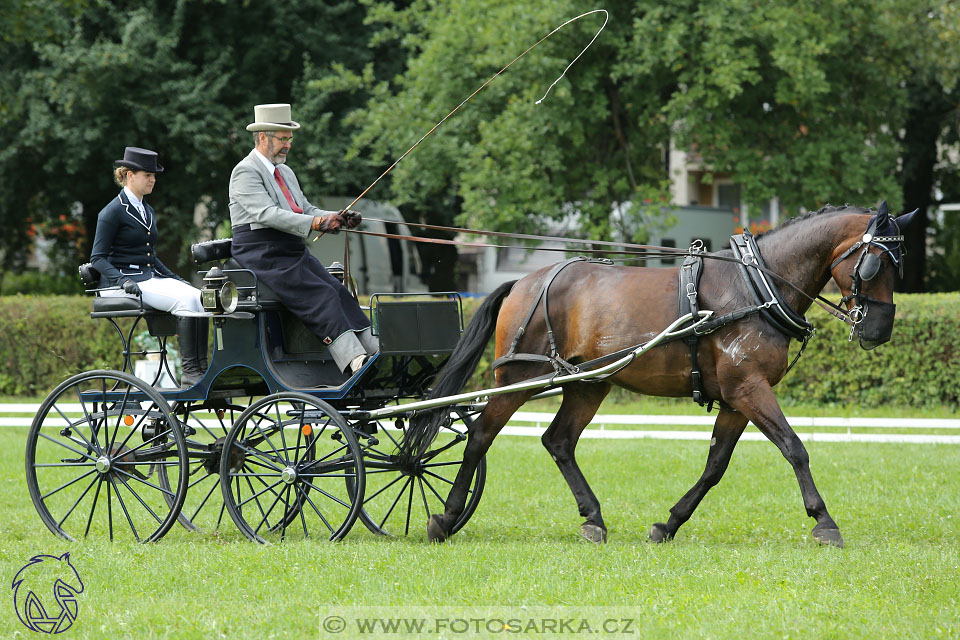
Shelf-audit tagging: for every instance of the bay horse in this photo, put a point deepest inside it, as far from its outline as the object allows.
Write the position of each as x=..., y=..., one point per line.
x=597, y=309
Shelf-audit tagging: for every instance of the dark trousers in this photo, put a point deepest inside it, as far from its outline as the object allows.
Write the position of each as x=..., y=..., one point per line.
x=304, y=286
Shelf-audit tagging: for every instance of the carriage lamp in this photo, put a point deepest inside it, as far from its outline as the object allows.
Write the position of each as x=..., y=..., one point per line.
x=219, y=295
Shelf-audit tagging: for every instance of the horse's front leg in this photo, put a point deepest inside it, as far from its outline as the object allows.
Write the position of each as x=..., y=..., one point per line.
x=727, y=430
x=761, y=407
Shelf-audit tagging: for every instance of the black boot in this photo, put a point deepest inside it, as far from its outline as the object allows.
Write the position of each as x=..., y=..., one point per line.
x=189, y=337
x=203, y=335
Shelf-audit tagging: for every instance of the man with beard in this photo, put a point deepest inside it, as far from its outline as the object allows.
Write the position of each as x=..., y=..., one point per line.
x=271, y=218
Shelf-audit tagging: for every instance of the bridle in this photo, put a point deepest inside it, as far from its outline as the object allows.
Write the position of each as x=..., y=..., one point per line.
x=868, y=266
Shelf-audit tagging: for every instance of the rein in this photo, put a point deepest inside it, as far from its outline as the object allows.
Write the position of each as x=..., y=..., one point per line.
x=639, y=251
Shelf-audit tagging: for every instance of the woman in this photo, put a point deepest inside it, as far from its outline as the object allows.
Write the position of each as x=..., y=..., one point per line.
x=124, y=252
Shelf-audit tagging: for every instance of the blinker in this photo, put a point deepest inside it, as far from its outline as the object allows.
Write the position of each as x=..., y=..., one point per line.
x=870, y=266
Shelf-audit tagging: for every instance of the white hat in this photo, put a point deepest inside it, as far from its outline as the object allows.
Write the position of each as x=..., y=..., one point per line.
x=272, y=117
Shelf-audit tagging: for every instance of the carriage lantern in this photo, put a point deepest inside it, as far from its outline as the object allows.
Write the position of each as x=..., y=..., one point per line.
x=219, y=294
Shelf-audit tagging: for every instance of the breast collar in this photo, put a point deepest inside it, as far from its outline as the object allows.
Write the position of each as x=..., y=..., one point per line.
x=776, y=310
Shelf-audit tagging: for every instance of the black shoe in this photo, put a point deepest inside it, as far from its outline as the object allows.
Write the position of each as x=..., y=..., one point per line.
x=190, y=379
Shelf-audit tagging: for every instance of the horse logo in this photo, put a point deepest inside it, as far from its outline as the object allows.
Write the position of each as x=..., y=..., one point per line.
x=40, y=576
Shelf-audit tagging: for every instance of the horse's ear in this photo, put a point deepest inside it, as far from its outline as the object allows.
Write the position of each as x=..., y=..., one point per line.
x=903, y=221
x=882, y=215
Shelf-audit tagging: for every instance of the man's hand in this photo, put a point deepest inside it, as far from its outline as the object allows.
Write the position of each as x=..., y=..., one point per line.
x=353, y=219
x=131, y=287
x=327, y=224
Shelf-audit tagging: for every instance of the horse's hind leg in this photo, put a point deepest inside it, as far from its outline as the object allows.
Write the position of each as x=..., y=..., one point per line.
x=580, y=404
x=480, y=435
x=762, y=409
x=727, y=430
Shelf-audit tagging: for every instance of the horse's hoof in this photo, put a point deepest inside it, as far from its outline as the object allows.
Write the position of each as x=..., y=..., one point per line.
x=593, y=533
x=658, y=533
x=826, y=536
x=435, y=530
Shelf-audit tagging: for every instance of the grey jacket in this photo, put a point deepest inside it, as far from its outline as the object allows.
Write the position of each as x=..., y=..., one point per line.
x=256, y=199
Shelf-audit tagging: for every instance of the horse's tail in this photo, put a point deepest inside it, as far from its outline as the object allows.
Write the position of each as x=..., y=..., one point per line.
x=425, y=425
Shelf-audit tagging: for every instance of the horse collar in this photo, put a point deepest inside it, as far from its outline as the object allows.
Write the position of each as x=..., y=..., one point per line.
x=775, y=309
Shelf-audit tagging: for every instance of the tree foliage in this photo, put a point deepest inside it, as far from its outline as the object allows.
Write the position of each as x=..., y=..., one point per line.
x=177, y=76
x=835, y=101
x=810, y=102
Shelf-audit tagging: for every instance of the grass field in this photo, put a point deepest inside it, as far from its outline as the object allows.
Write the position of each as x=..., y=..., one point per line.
x=743, y=567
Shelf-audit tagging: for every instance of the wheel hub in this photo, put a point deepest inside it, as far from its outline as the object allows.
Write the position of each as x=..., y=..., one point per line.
x=288, y=475
x=103, y=464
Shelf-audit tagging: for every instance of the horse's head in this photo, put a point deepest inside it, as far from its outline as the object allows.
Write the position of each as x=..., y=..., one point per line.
x=866, y=272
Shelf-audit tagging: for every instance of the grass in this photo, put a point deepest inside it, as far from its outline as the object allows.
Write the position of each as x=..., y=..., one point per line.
x=744, y=565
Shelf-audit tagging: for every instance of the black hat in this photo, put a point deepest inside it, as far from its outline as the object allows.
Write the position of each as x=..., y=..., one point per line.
x=140, y=159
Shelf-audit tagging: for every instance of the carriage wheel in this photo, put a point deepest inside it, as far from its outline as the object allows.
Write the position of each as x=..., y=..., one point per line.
x=394, y=497
x=205, y=430
x=284, y=470
x=94, y=455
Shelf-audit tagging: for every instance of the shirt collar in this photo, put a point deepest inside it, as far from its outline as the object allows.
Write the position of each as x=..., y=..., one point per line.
x=269, y=165
x=134, y=200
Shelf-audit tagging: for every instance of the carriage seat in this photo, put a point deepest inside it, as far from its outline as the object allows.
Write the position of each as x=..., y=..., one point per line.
x=255, y=295
x=159, y=323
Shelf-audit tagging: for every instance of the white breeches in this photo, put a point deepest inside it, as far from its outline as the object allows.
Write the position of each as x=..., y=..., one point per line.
x=166, y=294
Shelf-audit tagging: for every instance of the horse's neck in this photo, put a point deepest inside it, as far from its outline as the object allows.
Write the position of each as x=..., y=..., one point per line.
x=802, y=256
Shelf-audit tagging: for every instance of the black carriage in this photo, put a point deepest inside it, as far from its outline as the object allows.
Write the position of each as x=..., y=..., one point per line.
x=273, y=434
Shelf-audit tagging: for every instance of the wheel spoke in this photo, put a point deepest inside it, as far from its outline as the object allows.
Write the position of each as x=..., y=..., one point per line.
x=125, y=512
x=70, y=510
x=64, y=486
x=139, y=499
x=96, y=494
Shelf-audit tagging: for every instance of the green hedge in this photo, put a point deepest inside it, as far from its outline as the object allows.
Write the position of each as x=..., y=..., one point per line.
x=918, y=367
x=45, y=339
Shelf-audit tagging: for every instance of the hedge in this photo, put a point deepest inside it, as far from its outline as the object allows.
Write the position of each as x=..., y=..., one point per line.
x=45, y=339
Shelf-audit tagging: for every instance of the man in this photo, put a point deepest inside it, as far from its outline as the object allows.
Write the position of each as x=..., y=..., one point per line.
x=271, y=218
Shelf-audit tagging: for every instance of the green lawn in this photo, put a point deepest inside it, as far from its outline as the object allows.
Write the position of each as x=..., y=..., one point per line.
x=744, y=566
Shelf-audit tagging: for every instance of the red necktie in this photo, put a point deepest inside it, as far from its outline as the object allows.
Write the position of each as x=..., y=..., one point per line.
x=286, y=192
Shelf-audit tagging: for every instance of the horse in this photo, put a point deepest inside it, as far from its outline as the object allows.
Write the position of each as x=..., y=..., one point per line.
x=594, y=309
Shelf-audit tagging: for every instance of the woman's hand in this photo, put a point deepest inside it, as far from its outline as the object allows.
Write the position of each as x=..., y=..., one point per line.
x=130, y=287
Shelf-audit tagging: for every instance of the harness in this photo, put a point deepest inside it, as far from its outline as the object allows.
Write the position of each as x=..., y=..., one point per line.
x=554, y=358
x=767, y=301
x=766, y=297
x=867, y=267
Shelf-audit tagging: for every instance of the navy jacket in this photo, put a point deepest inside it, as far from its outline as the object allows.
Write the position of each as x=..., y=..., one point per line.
x=124, y=246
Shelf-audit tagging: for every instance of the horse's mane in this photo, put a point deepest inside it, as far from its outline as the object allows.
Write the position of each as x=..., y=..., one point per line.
x=825, y=210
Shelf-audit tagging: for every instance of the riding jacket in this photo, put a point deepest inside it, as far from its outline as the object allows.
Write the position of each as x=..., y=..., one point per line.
x=124, y=246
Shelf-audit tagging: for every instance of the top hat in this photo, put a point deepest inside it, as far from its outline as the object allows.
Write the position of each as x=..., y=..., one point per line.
x=140, y=159
x=272, y=117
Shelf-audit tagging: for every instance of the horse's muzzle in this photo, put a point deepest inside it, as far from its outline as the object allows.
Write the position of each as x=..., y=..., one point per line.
x=877, y=324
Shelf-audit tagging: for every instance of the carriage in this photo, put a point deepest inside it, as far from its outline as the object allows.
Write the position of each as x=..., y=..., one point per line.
x=312, y=451
x=289, y=437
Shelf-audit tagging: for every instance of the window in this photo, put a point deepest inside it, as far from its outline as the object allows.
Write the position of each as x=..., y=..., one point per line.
x=672, y=244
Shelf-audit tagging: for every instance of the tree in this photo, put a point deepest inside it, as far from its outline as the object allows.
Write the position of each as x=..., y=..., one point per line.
x=808, y=102
x=178, y=76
